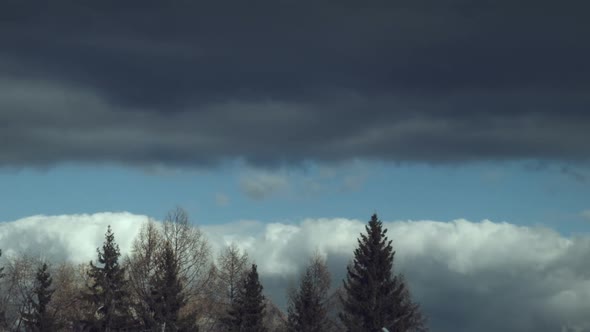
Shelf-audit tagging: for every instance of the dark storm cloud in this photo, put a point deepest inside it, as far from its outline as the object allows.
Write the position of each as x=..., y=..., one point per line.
x=195, y=83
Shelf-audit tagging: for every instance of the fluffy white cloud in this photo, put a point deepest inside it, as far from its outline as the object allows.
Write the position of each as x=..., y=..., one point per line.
x=70, y=237
x=468, y=276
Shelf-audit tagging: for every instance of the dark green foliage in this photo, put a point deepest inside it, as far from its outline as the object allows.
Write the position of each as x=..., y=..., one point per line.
x=107, y=293
x=38, y=319
x=2, y=311
x=374, y=298
x=1, y=268
x=307, y=305
x=246, y=313
x=306, y=312
x=166, y=295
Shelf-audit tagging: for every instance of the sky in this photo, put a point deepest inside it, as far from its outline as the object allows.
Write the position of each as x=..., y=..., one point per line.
x=455, y=121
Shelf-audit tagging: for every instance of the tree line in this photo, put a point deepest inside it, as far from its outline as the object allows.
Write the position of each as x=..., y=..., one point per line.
x=170, y=282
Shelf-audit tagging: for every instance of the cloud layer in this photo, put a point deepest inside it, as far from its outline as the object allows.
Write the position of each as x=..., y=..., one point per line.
x=67, y=237
x=468, y=276
x=290, y=81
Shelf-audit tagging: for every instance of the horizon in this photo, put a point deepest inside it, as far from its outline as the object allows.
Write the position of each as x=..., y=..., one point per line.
x=464, y=126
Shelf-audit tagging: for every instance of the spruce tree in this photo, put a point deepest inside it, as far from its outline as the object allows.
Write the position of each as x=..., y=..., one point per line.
x=307, y=305
x=374, y=298
x=38, y=319
x=306, y=312
x=247, y=311
x=107, y=293
x=166, y=295
x=2, y=310
x=1, y=268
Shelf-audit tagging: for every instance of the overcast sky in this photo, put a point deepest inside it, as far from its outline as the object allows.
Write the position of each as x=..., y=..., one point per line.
x=283, y=111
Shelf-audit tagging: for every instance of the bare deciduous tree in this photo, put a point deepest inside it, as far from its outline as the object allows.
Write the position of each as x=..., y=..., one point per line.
x=227, y=272
x=18, y=285
x=144, y=252
x=141, y=266
x=192, y=251
x=66, y=302
x=232, y=264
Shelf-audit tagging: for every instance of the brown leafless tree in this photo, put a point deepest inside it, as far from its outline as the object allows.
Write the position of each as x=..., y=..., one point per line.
x=193, y=255
x=192, y=250
x=17, y=288
x=141, y=266
x=232, y=264
x=226, y=273
x=66, y=302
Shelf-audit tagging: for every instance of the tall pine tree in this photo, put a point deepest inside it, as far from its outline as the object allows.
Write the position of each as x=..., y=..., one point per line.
x=39, y=319
x=107, y=293
x=247, y=311
x=374, y=298
x=166, y=296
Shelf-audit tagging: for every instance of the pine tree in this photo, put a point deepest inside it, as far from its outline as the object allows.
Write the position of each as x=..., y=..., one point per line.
x=307, y=305
x=1, y=268
x=247, y=311
x=166, y=295
x=2, y=310
x=108, y=296
x=39, y=319
x=375, y=298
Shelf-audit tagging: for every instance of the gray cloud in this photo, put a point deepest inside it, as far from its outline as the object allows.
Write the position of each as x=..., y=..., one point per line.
x=260, y=185
x=465, y=274
x=195, y=83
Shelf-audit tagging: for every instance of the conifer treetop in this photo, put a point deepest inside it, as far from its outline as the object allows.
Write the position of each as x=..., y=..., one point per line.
x=375, y=298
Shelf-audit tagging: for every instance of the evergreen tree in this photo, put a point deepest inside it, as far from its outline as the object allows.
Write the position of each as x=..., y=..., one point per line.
x=246, y=313
x=374, y=298
x=2, y=310
x=166, y=295
x=1, y=268
x=38, y=319
x=107, y=293
x=307, y=305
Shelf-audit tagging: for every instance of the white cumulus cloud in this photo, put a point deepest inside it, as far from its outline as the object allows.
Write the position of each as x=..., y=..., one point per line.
x=70, y=237
x=468, y=276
